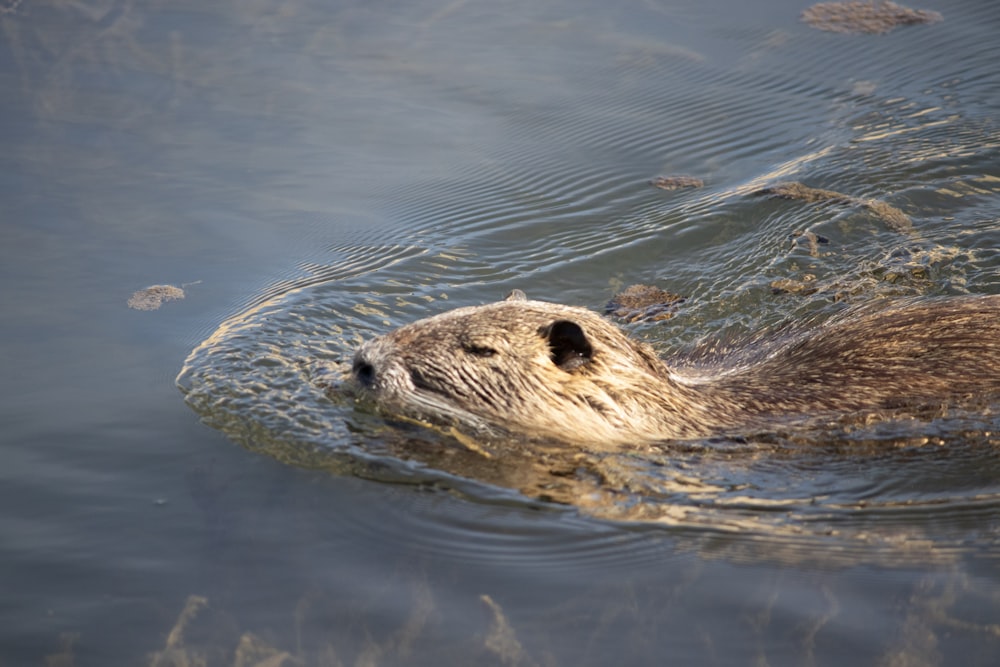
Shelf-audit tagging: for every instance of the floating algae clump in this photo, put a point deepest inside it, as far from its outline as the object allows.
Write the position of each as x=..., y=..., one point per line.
x=864, y=17
x=677, y=182
x=893, y=218
x=153, y=297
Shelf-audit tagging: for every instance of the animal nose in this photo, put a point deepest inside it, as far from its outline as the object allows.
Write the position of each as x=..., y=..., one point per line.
x=363, y=370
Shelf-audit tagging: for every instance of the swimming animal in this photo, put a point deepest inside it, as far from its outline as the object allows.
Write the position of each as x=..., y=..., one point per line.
x=546, y=370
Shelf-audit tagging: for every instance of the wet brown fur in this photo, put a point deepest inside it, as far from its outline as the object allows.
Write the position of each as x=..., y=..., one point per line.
x=553, y=371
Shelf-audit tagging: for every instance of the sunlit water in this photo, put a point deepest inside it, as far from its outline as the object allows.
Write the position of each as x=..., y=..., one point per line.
x=315, y=175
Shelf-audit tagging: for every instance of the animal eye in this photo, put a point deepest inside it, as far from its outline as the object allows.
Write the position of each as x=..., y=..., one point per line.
x=479, y=350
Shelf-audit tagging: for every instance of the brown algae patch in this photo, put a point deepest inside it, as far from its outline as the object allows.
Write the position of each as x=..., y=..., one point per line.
x=893, y=218
x=154, y=296
x=903, y=272
x=800, y=192
x=643, y=303
x=811, y=239
x=873, y=18
x=676, y=182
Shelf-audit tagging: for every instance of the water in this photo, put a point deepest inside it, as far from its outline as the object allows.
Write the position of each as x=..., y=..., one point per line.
x=313, y=174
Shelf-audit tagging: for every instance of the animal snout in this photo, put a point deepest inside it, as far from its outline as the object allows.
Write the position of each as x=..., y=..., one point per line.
x=363, y=370
x=374, y=364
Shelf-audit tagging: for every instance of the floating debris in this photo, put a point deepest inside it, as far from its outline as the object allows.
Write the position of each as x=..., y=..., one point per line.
x=153, y=297
x=800, y=192
x=803, y=287
x=677, y=182
x=812, y=239
x=893, y=218
x=873, y=18
x=643, y=303
x=907, y=271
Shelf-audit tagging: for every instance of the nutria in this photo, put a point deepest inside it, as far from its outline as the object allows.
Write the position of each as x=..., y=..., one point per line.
x=552, y=371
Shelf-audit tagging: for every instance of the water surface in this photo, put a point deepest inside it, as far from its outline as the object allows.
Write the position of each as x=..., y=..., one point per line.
x=313, y=174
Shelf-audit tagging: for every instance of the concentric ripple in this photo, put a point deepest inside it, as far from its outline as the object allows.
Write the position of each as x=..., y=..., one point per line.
x=554, y=197
x=271, y=379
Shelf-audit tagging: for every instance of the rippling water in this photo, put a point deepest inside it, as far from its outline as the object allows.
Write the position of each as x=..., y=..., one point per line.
x=316, y=174
x=545, y=217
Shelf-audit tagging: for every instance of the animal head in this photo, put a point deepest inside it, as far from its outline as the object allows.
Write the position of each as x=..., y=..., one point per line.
x=536, y=368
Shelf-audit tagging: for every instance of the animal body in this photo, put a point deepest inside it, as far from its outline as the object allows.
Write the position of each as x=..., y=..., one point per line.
x=551, y=371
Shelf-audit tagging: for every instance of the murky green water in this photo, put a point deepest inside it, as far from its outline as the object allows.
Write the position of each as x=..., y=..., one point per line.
x=312, y=174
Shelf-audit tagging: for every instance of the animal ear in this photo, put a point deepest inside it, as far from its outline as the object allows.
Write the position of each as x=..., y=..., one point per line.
x=568, y=344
